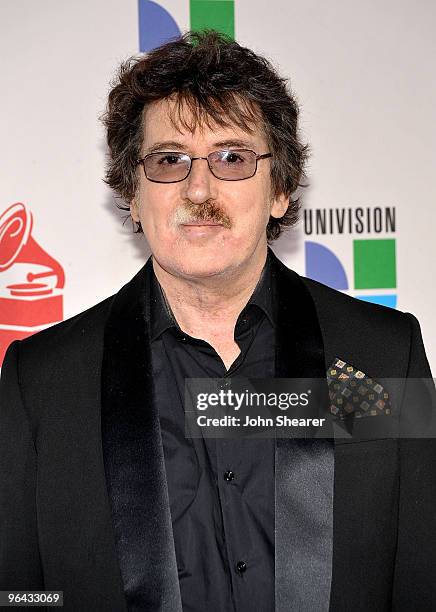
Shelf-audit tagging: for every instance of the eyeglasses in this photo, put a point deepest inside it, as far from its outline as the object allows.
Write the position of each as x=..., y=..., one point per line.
x=171, y=167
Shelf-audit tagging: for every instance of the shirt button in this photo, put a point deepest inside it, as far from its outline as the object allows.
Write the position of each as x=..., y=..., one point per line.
x=244, y=322
x=182, y=338
x=241, y=567
x=224, y=384
x=229, y=475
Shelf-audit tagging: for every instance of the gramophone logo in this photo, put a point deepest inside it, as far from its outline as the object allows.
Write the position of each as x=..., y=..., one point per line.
x=31, y=281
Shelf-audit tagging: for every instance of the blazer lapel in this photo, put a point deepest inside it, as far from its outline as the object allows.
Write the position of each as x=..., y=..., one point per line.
x=304, y=474
x=133, y=457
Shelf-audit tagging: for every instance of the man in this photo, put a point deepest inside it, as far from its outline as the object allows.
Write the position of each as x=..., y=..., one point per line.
x=103, y=495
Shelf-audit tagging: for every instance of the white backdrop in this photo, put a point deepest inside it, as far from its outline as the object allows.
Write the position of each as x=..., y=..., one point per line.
x=363, y=73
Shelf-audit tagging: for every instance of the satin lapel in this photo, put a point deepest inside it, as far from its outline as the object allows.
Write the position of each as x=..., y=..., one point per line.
x=304, y=475
x=133, y=457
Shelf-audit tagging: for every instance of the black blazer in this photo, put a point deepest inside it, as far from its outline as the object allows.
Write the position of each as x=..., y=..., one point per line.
x=83, y=497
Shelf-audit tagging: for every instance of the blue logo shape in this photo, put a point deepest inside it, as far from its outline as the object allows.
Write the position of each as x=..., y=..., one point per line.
x=322, y=265
x=156, y=26
x=389, y=300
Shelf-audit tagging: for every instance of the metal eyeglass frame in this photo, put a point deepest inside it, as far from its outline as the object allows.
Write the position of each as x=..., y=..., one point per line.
x=142, y=160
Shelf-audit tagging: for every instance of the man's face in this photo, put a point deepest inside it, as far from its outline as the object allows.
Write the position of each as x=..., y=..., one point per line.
x=204, y=226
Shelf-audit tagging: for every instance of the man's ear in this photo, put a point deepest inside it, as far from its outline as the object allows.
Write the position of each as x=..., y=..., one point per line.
x=134, y=211
x=279, y=206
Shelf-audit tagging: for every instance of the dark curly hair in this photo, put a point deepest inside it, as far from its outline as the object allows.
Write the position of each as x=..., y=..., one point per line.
x=219, y=81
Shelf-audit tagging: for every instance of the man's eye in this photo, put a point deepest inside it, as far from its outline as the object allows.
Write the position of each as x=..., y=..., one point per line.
x=233, y=158
x=169, y=160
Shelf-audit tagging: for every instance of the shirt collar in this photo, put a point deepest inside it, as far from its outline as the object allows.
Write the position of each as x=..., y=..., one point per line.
x=162, y=318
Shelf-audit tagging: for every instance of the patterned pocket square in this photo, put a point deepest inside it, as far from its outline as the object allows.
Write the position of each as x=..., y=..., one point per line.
x=353, y=393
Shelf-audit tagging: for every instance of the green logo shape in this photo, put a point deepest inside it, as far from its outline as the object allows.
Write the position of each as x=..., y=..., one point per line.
x=375, y=264
x=213, y=14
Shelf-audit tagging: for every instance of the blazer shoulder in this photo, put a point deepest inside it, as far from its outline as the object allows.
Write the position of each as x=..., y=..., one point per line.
x=335, y=308
x=79, y=333
x=386, y=341
x=334, y=303
x=77, y=342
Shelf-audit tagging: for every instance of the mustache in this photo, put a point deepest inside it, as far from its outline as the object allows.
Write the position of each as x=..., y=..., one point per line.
x=207, y=211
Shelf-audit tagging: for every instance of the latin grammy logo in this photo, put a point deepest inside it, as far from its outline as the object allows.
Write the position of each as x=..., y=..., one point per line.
x=31, y=281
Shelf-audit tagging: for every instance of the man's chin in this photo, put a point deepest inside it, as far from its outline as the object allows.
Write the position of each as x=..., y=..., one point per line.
x=205, y=268
x=214, y=260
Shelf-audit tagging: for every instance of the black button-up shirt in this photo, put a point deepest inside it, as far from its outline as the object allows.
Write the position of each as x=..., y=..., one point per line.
x=221, y=491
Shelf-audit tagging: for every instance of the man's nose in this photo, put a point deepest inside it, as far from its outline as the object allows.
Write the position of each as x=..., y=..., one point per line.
x=200, y=184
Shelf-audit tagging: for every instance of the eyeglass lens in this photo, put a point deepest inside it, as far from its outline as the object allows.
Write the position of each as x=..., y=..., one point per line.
x=228, y=165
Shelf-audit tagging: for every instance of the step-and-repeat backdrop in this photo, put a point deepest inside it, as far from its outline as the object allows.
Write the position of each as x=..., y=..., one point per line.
x=363, y=73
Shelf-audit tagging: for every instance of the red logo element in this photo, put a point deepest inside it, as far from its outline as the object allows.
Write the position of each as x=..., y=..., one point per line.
x=30, y=280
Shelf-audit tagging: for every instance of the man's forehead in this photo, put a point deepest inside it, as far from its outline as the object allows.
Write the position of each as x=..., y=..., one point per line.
x=164, y=121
